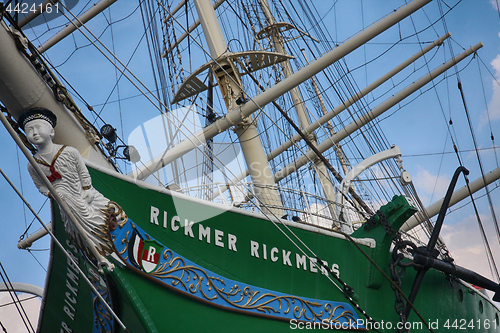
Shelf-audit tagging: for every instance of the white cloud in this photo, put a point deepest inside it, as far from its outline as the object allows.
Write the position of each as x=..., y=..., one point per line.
x=430, y=187
x=465, y=243
x=494, y=4
x=10, y=317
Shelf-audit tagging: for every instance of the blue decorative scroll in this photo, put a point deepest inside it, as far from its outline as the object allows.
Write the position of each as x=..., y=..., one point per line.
x=103, y=321
x=187, y=277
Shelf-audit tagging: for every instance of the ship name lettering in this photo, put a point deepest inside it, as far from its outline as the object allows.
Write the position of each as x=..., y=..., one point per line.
x=287, y=258
x=172, y=223
x=72, y=283
x=188, y=229
x=226, y=240
x=312, y=264
x=65, y=328
x=301, y=261
x=204, y=233
x=273, y=256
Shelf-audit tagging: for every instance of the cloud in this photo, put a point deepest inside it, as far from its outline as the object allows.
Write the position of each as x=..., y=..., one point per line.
x=10, y=317
x=430, y=187
x=494, y=3
x=465, y=243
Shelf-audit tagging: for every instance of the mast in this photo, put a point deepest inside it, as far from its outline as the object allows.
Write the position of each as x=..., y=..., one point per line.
x=329, y=126
x=236, y=115
x=341, y=107
x=319, y=167
x=190, y=29
x=248, y=136
x=337, y=148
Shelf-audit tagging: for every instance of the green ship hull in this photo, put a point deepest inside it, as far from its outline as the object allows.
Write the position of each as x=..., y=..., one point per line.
x=182, y=264
x=229, y=269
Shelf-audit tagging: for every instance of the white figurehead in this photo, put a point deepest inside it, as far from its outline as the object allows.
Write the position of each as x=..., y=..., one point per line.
x=65, y=169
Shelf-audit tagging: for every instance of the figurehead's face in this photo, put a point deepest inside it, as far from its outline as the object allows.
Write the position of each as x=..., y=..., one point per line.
x=39, y=132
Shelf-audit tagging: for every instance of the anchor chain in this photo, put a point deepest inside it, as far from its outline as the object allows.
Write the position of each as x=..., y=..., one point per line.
x=397, y=256
x=347, y=290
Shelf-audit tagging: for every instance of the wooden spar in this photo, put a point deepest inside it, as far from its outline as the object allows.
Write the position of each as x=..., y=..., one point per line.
x=70, y=28
x=264, y=186
x=236, y=115
x=458, y=195
x=190, y=29
x=376, y=112
x=354, y=98
x=18, y=75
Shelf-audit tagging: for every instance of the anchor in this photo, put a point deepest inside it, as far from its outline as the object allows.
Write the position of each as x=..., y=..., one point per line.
x=427, y=258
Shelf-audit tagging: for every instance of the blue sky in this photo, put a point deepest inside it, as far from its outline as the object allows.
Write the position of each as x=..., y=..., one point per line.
x=420, y=130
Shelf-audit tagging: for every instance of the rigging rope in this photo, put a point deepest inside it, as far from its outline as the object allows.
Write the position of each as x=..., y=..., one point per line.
x=3, y=327
x=360, y=152
x=33, y=220
x=492, y=208
x=490, y=257
x=21, y=182
x=116, y=78
x=113, y=55
x=495, y=269
x=22, y=300
x=107, y=57
x=350, y=90
x=494, y=147
x=68, y=255
x=30, y=251
x=299, y=131
x=313, y=256
x=15, y=298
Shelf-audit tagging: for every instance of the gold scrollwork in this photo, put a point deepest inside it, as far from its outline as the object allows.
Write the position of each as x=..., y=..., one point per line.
x=115, y=212
x=125, y=241
x=103, y=319
x=347, y=314
x=192, y=278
